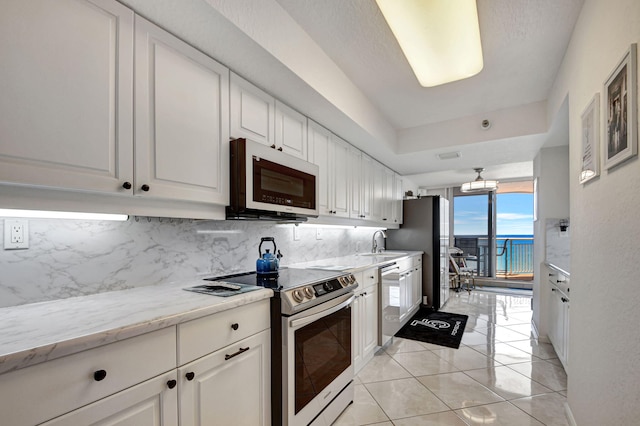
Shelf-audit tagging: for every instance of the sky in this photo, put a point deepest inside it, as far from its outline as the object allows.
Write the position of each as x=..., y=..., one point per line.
x=514, y=214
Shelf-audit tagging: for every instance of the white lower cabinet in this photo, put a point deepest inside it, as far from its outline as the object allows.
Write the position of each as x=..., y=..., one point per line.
x=214, y=370
x=365, y=318
x=151, y=403
x=558, y=315
x=228, y=387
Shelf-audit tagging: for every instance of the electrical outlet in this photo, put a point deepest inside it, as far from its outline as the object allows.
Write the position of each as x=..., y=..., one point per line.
x=296, y=233
x=16, y=234
x=318, y=233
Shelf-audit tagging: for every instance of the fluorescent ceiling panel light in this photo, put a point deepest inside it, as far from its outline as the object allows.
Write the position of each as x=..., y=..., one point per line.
x=440, y=38
x=42, y=214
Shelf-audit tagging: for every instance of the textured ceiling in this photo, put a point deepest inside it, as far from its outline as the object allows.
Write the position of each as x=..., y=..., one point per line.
x=523, y=46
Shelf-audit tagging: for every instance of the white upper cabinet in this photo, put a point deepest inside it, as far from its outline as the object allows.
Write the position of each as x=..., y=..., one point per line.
x=388, y=195
x=340, y=173
x=66, y=109
x=366, y=207
x=291, y=131
x=182, y=133
x=319, y=143
x=258, y=116
x=252, y=112
x=355, y=171
x=398, y=195
x=331, y=155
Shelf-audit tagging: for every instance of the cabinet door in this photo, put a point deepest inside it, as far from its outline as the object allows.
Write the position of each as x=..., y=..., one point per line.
x=370, y=326
x=319, y=151
x=291, y=131
x=340, y=182
x=66, y=109
x=355, y=178
x=397, y=199
x=151, y=403
x=182, y=134
x=228, y=387
x=387, y=196
x=417, y=287
x=252, y=112
x=378, y=178
x=357, y=324
x=405, y=295
x=367, y=186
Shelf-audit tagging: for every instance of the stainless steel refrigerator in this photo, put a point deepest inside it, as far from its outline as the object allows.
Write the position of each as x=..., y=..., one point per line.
x=425, y=227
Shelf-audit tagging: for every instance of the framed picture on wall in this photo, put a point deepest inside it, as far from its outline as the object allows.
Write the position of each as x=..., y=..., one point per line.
x=591, y=140
x=620, y=108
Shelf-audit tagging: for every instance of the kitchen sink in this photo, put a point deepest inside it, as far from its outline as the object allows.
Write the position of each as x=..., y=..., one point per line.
x=385, y=254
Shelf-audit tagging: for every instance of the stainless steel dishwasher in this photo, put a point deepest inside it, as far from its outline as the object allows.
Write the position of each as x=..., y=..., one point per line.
x=389, y=303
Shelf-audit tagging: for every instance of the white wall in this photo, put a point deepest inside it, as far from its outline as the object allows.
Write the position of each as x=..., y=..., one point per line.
x=604, y=346
x=551, y=168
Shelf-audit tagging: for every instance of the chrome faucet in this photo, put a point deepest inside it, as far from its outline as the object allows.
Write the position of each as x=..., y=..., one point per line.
x=374, y=243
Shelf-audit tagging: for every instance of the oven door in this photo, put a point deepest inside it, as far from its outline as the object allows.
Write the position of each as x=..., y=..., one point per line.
x=317, y=360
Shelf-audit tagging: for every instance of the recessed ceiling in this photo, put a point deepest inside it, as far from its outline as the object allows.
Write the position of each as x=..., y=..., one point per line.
x=523, y=43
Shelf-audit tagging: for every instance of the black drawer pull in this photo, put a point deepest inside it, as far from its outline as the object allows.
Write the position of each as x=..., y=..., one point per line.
x=235, y=325
x=127, y=185
x=190, y=375
x=99, y=375
x=145, y=188
x=172, y=384
x=242, y=350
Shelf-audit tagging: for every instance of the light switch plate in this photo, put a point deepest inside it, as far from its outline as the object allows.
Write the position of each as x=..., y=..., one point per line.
x=16, y=234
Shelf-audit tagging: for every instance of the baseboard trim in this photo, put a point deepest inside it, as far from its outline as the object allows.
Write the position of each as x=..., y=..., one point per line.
x=569, y=415
x=536, y=333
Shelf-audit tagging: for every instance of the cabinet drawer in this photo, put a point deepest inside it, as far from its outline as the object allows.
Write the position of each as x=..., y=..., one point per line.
x=43, y=391
x=369, y=278
x=205, y=335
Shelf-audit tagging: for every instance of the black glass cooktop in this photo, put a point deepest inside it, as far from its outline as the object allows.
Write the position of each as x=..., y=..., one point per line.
x=286, y=278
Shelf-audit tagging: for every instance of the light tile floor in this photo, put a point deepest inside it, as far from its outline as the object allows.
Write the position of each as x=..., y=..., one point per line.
x=498, y=376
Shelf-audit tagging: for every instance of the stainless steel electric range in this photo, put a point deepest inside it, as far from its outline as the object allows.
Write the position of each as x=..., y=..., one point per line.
x=311, y=358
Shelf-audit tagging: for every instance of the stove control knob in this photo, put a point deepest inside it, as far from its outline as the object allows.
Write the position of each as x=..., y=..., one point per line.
x=297, y=296
x=327, y=286
x=343, y=282
x=308, y=292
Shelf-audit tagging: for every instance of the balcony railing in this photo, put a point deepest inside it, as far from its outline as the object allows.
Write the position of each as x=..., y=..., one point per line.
x=513, y=256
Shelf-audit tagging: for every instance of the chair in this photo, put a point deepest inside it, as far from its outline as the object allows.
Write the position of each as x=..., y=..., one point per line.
x=460, y=276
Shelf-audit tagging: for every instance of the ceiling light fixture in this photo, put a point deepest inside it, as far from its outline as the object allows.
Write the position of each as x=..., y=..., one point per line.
x=479, y=185
x=449, y=155
x=440, y=38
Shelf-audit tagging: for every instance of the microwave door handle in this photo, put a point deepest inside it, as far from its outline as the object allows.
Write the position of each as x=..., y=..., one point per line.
x=308, y=319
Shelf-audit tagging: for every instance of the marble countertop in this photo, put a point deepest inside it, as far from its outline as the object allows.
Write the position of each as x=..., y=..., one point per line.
x=357, y=262
x=44, y=331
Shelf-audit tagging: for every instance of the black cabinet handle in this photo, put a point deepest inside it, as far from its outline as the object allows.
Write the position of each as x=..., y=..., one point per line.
x=235, y=325
x=559, y=281
x=127, y=185
x=99, y=375
x=280, y=149
x=145, y=187
x=553, y=289
x=273, y=146
x=240, y=351
x=384, y=218
x=190, y=375
x=171, y=384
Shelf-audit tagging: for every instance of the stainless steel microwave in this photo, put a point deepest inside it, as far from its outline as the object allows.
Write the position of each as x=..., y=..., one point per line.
x=269, y=184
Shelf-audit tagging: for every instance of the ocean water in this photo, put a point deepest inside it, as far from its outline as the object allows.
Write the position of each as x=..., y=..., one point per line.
x=514, y=257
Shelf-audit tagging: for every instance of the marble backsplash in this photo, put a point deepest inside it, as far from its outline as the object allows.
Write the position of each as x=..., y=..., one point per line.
x=558, y=251
x=68, y=258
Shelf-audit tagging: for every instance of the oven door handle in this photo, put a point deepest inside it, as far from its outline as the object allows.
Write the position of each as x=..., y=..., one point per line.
x=308, y=319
